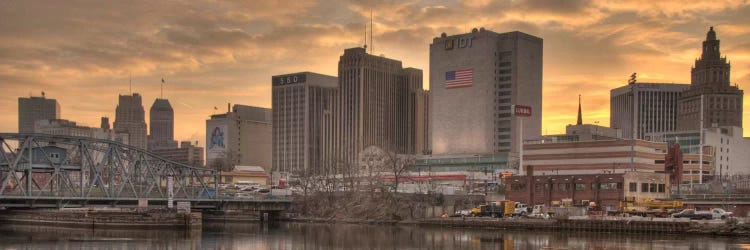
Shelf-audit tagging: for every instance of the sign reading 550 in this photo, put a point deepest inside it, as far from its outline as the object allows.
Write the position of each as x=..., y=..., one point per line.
x=288, y=79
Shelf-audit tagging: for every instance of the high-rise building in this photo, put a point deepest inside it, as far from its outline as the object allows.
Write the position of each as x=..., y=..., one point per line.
x=161, y=126
x=372, y=107
x=655, y=106
x=32, y=109
x=105, y=123
x=130, y=119
x=722, y=102
x=301, y=104
x=475, y=78
x=242, y=136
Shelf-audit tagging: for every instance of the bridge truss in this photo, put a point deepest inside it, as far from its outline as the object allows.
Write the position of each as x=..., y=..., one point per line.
x=64, y=169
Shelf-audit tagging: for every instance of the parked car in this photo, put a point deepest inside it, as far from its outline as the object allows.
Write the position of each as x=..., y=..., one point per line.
x=719, y=213
x=464, y=212
x=693, y=215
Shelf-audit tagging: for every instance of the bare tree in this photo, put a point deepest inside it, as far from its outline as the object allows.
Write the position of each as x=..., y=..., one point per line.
x=398, y=165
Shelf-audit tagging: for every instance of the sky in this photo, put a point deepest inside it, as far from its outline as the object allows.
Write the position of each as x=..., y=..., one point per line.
x=210, y=53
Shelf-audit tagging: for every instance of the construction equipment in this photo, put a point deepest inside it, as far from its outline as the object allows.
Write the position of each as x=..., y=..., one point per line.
x=648, y=207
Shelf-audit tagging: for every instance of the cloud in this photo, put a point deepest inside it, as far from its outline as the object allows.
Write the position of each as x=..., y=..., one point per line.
x=214, y=52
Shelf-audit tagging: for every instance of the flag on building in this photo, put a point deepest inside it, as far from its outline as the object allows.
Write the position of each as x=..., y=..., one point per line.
x=459, y=78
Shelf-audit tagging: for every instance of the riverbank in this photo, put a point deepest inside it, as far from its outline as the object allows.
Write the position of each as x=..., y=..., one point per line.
x=104, y=218
x=634, y=225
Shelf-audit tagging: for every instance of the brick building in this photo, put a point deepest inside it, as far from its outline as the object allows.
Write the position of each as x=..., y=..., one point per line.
x=606, y=190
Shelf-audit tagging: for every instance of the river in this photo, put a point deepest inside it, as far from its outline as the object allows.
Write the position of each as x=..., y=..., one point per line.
x=344, y=236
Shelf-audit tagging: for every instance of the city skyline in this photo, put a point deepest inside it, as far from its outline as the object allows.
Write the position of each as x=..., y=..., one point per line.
x=228, y=54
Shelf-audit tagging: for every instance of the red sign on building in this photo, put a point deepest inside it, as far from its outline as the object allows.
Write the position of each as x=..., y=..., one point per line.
x=521, y=110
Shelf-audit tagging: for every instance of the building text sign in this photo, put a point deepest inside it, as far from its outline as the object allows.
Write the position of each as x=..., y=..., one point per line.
x=459, y=42
x=521, y=110
x=288, y=79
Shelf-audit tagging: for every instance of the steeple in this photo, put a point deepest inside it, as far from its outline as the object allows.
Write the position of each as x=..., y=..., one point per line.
x=580, y=116
x=711, y=46
x=710, y=68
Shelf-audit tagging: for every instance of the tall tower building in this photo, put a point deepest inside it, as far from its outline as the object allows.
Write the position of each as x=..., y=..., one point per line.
x=161, y=130
x=33, y=109
x=371, y=100
x=475, y=78
x=301, y=106
x=722, y=102
x=130, y=119
x=655, y=106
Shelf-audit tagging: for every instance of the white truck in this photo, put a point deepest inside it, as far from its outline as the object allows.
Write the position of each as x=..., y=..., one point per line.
x=521, y=209
x=719, y=213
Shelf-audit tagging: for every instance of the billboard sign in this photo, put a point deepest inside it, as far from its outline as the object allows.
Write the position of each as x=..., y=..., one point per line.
x=216, y=143
x=521, y=110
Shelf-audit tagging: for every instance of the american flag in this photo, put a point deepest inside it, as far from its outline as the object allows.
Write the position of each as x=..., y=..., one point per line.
x=459, y=78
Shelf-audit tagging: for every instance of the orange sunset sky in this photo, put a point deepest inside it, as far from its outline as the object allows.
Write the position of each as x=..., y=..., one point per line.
x=216, y=52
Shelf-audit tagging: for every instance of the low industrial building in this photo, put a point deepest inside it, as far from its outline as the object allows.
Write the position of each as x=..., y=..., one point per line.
x=254, y=174
x=606, y=190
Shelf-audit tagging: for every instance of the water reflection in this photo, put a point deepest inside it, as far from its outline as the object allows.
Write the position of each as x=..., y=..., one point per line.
x=344, y=236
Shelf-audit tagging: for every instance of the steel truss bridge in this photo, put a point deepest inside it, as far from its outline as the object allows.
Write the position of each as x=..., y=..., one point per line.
x=41, y=170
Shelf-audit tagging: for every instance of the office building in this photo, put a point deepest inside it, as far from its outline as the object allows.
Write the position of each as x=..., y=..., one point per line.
x=130, y=120
x=655, y=105
x=608, y=156
x=376, y=105
x=709, y=80
x=32, y=109
x=242, y=136
x=161, y=126
x=188, y=154
x=726, y=145
x=301, y=106
x=475, y=78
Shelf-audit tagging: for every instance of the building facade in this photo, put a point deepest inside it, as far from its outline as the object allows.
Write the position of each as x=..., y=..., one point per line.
x=475, y=78
x=609, y=156
x=606, y=190
x=188, y=154
x=130, y=119
x=32, y=109
x=376, y=105
x=161, y=126
x=70, y=128
x=655, y=105
x=242, y=136
x=710, y=88
x=301, y=104
x=726, y=144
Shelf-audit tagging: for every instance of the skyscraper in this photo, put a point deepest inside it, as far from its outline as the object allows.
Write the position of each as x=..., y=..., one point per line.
x=722, y=102
x=301, y=106
x=655, y=106
x=475, y=78
x=32, y=109
x=161, y=130
x=371, y=107
x=130, y=119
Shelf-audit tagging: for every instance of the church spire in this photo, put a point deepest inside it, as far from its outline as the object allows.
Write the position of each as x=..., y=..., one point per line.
x=580, y=116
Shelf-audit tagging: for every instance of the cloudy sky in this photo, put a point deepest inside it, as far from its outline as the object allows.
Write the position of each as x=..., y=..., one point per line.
x=82, y=53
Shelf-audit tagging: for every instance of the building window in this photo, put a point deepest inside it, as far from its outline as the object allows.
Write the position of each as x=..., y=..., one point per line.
x=644, y=187
x=633, y=187
x=580, y=186
x=538, y=186
x=652, y=187
x=662, y=188
x=518, y=187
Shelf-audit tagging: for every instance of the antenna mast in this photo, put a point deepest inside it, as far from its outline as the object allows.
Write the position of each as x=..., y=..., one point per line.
x=372, y=42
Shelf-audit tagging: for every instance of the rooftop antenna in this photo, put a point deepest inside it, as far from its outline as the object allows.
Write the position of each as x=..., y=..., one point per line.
x=372, y=43
x=162, y=88
x=365, y=37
